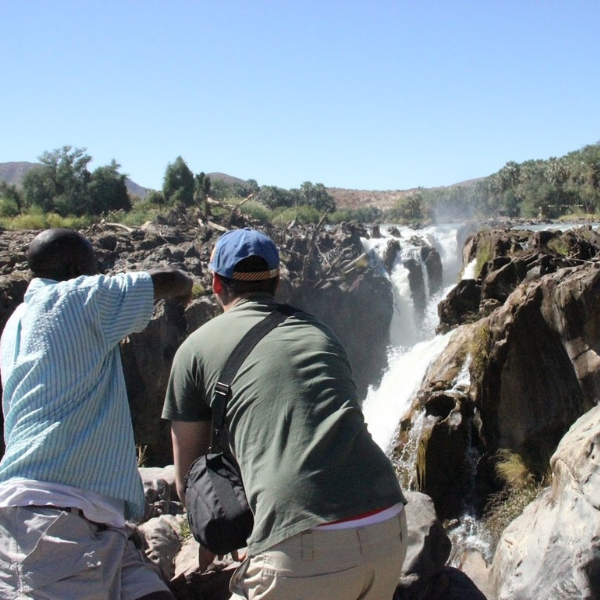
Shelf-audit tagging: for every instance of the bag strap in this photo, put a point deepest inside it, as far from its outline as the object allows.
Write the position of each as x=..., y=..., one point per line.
x=222, y=391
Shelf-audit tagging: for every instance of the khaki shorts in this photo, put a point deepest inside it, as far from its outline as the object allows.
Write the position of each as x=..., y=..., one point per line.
x=52, y=553
x=346, y=564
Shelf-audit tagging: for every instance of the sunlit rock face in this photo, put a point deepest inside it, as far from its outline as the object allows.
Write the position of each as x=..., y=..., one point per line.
x=542, y=370
x=553, y=549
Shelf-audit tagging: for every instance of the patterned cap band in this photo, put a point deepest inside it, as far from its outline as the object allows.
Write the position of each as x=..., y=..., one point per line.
x=257, y=276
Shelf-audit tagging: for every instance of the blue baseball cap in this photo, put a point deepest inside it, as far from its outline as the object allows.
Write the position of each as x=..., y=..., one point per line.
x=236, y=245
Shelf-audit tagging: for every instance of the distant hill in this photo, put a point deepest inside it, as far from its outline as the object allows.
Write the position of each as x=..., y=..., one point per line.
x=228, y=179
x=385, y=200
x=13, y=172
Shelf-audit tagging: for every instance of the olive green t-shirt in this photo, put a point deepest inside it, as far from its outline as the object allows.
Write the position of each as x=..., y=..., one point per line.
x=295, y=423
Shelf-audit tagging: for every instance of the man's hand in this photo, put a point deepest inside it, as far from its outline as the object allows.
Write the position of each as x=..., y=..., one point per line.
x=206, y=557
x=171, y=283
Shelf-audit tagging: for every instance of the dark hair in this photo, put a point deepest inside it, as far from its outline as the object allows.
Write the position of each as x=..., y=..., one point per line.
x=61, y=254
x=251, y=264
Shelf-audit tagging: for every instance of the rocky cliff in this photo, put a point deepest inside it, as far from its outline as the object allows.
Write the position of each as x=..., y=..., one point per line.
x=520, y=378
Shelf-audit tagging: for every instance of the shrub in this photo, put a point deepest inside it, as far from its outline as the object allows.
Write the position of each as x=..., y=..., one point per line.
x=140, y=215
x=8, y=208
x=257, y=210
x=302, y=214
x=70, y=222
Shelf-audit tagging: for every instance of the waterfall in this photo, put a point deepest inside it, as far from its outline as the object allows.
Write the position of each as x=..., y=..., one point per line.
x=385, y=406
x=410, y=325
x=414, y=344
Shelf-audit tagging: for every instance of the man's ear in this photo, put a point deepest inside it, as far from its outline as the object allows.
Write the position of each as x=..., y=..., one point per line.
x=217, y=285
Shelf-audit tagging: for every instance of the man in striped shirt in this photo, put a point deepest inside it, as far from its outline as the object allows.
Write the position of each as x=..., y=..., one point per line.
x=69, y=477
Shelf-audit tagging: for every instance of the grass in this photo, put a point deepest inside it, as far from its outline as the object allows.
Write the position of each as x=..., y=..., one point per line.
x=511, y=468
x=134, y=218
x=198, y=290
x=579, y=215
x=142, y=457
x=522, y=487
x=38, y=221
x=184, y=529
x=479, y=349
x=559, y=245
x=484, y=253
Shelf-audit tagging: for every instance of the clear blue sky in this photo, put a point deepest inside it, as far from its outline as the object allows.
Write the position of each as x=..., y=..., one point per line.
x=365, y=94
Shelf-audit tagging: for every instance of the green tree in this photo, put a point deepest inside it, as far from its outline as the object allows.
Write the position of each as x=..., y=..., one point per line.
x=316, y=196
x=155, y=197
x=178, y=183
x=61, y=182
x=108, y=190
x=202, y=187
x=409, y=208
x=585, y=176
x=246, y=188
x=274, y=197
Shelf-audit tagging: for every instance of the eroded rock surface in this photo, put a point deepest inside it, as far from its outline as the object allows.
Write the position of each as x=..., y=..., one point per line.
x=553, y=549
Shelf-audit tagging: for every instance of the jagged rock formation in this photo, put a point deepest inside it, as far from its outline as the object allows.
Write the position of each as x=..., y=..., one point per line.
x=504, y=259
x=521, y=366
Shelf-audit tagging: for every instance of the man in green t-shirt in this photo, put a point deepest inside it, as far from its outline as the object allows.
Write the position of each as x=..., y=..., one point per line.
x=329, y=519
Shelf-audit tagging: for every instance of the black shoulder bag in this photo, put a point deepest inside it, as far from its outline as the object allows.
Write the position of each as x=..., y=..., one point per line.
x=216, y=503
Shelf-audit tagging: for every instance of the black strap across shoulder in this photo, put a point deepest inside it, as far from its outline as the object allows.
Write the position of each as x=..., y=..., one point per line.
x=223, y=388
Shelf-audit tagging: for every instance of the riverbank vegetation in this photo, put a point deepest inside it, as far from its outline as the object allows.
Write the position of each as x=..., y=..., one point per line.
x=567, y=187
x=62, y=191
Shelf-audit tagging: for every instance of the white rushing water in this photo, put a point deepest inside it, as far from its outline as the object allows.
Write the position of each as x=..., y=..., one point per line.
x=414, y=344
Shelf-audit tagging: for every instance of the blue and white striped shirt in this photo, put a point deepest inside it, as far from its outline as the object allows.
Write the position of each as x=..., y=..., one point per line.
x=66, y=414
